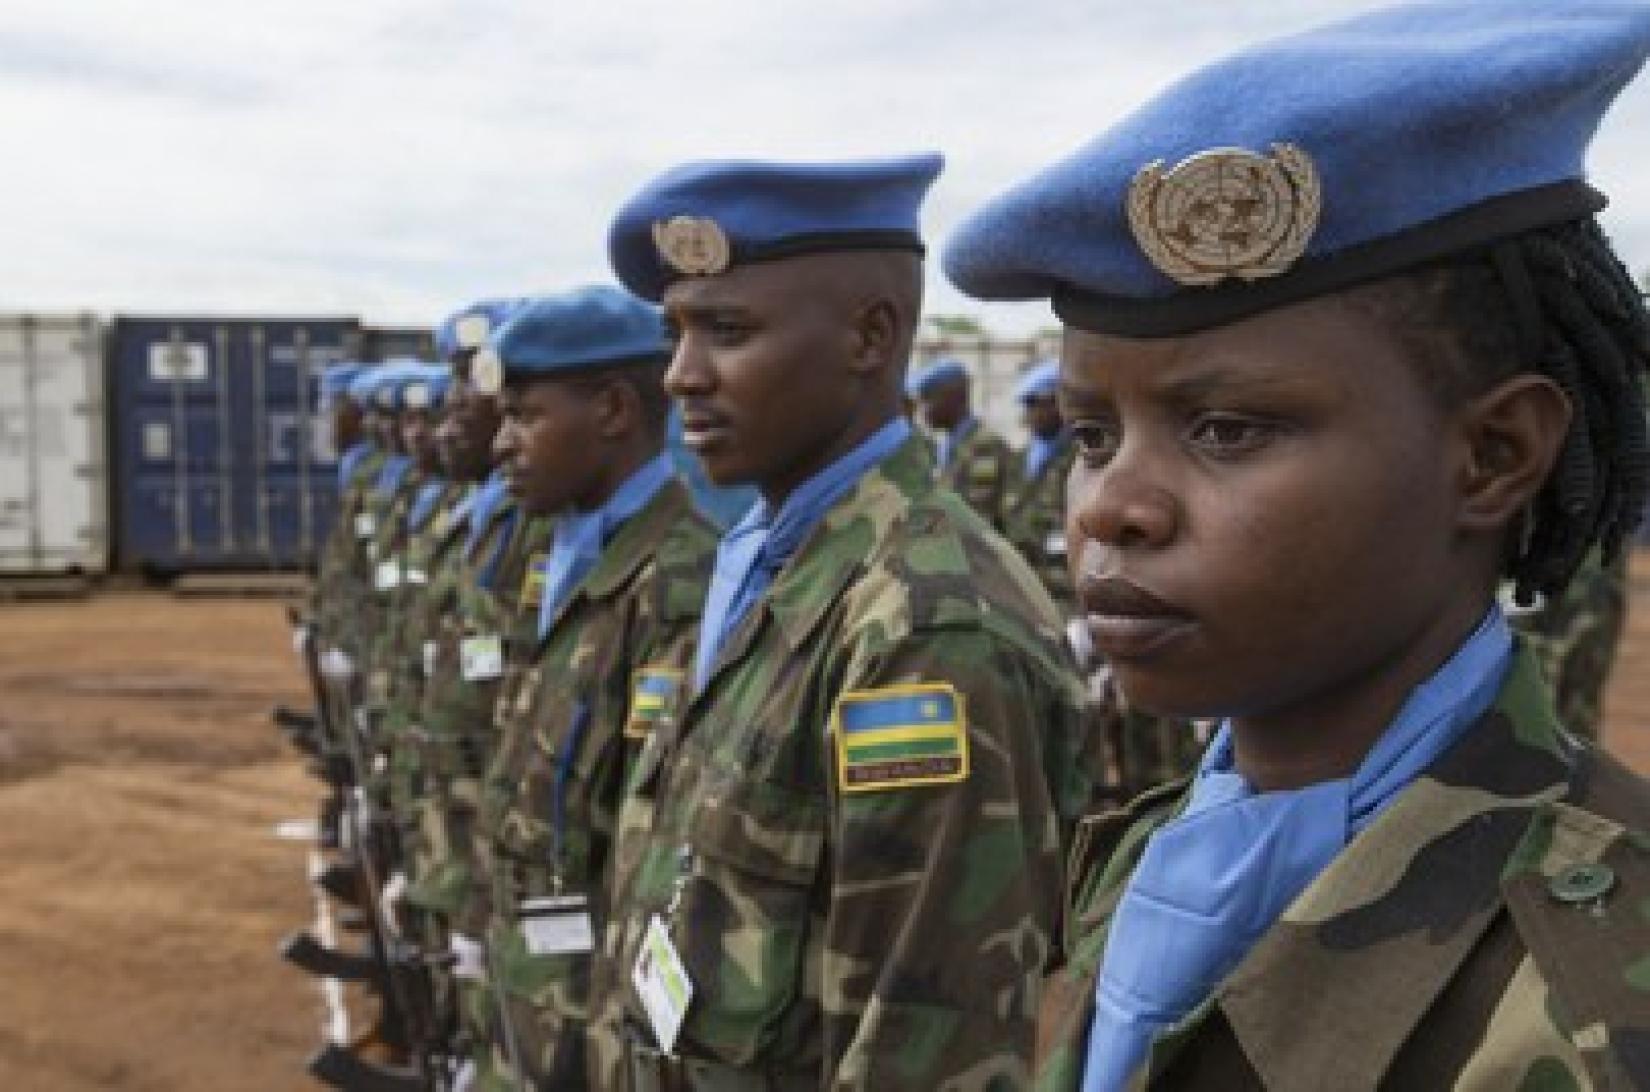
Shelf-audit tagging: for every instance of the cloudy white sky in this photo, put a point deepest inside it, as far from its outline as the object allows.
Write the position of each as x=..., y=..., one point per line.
x=393, y=158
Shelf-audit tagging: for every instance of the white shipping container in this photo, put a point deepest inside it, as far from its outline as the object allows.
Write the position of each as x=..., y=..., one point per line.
x=53, y=469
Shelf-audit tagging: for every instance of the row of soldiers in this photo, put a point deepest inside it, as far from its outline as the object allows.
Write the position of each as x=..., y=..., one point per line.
x=626, y=800
x=584, y=827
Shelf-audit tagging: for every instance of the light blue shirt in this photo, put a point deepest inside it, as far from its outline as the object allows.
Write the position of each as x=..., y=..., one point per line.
x=580, y=537
x=1212, y=881
x=753, y=552
x=1040, y=452
x=349, y=460
x=394, y=469
x=480, y=505
x=951, y=439
x=424, y=503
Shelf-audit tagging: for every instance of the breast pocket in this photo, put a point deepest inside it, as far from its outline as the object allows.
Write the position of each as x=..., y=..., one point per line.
x=743, y=924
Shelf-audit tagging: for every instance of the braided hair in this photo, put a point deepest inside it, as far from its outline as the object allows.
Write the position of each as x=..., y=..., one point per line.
x=1556, y=301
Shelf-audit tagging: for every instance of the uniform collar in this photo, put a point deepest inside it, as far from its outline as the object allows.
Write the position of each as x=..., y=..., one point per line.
x=823, y=566
x=1394, y=916
x=589, y=534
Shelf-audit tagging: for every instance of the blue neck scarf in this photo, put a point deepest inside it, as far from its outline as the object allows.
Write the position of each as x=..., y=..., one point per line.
x=757, y=547
x=349, y=460
x=580, y=537
x=424, y=503
x=1041, y=451
x=481, y=506
x=1213, y=881
x=395, y=468
x=951, y=439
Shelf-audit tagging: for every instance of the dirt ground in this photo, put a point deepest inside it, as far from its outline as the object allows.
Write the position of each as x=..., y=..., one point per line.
x=142, y=889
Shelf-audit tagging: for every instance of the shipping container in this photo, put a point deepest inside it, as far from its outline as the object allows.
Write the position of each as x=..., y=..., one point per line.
x=380, y=343
x=53, y=473
x=221, y=461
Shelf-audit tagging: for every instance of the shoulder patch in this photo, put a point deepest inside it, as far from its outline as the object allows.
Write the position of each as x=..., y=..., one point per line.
x=532, y=583
x=898, y=737
x=655, y=694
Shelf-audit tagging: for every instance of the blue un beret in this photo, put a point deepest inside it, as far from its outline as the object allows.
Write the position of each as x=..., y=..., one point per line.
x=701, y=218
x=580, y=330
x=932, y=374
x=1041, y=380
x=363, y=389
x=336, y=379
x=394, y=377
x=426, y=386
x=1315, y=162
x=470, y=327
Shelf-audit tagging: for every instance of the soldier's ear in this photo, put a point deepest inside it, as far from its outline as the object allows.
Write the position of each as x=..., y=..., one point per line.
x=615, y=408
x=876, y=336
x=1512, y=435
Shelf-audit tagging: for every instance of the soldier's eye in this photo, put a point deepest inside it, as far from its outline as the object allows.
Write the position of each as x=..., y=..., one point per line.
x=1097, y=440
x=1225, y=435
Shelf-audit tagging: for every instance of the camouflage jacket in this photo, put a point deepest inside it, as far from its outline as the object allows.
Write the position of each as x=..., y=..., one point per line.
x=483, y=596
x=1488, y=931
x=981, y=470
x=1574, y=637
x=427, y=564
x=1035, y=522
x=610, y=667
x=341, y=575
x=874, y=914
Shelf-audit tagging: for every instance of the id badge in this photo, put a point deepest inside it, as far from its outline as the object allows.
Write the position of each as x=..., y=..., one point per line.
x=1055, y=544
x=481, y=658
x=365, y=525
x=557, y=925
x=432, y=653
x=663, y=984
x=387, y=577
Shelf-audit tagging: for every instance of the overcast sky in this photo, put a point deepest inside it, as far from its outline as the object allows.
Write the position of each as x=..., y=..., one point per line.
x=395, y=158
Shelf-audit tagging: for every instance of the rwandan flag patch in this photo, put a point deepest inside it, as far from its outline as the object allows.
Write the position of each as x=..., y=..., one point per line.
x=899, y=736
x=656, y=689
x=532, y=588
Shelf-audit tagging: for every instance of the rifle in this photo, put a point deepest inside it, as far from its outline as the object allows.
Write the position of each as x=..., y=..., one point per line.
x=397, y=971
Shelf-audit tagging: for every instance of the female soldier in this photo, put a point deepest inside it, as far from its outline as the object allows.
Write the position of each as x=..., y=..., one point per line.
x=1359, y=351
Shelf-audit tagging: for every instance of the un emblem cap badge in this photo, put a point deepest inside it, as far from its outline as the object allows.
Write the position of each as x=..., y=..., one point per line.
x=1226, y=212
x=695, y=246
x=471, y=331
x=487, y=371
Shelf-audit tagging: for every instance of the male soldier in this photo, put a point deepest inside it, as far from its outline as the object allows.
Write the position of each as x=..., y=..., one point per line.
x=972, y=459
x=425, y=541
x=583, y=440
x=1035, y=520
x=1344, y=345
x=479, y=600
x=322, y=620
x=837, y=867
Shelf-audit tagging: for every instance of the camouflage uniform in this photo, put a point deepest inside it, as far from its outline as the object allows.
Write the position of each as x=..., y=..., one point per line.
x=1575, y=639
x=412, y=616
x=568, y=731
x=381, y=667
x=1488, y=931
x=981, y=471
x=1035, y=522
x=343, y=583
x=842, y=930
x=479, y=594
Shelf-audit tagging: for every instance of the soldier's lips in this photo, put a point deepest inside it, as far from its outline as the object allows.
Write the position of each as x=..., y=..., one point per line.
x=703, y=433
x=1126, y=621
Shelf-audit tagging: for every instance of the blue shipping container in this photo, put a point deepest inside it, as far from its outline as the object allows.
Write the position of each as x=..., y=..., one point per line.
x=220, y=460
